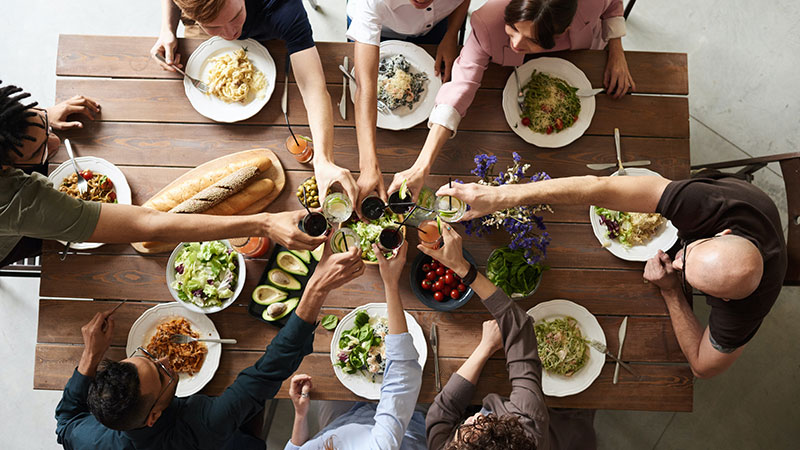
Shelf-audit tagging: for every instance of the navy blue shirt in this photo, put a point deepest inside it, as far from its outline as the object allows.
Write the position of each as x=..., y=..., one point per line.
x=197, y=421
x=278, y=19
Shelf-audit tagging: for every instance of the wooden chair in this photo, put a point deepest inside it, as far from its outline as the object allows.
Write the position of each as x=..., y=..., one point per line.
x=790, y=167
x=24, y=268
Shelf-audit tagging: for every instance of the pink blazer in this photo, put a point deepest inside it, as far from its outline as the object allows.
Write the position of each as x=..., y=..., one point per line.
x=594, y=23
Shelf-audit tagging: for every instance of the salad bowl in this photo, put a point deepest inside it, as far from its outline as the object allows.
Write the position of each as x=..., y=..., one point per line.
x=173, y=278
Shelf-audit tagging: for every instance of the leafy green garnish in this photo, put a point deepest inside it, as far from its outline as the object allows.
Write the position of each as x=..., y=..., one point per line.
x=329, y=322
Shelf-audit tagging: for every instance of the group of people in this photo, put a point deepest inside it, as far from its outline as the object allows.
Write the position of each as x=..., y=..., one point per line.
x=732, y=250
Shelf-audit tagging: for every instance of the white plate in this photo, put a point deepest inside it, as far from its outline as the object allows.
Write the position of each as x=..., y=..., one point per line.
x=358, y=383
x=556, y=67
x=664, y=239
x=145, y=327
x=240, y=279
x=199, y=64
x=96, y=165
x=403, y=118
x=559, y=385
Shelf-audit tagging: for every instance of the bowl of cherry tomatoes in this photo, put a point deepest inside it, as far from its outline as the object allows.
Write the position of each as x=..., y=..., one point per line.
x=437, y=286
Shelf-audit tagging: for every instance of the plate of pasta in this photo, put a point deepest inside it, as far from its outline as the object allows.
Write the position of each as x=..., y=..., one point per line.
x=569, y=364
x=240, y=76
x=632, y=236
x=194, y=363
x=552, y=114
x=107, y=184
x=407, y=85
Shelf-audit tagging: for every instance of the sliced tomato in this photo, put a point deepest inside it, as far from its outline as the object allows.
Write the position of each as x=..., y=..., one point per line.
x=526, y=121
x=549, y=129
x=87, y=175
x=113, y=196
x=559, y=124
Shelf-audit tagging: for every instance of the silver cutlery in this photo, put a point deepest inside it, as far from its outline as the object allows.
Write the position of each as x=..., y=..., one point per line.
x=520, y=95
x=113, y=310
x=83, y=186
x=589, y=92
x=381, y=106
x=603, y=349
x=623, y=329
x=184, y=339
x=619, y=152
x=604, y=166
x=343, y=101
x=435, y=348
x=202, y=87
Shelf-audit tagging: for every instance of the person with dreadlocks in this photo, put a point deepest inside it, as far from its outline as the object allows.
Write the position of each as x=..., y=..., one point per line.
x=32, y=210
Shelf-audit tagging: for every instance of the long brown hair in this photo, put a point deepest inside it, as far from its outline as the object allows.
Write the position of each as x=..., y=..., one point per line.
x=492, y=432
x=550, y=17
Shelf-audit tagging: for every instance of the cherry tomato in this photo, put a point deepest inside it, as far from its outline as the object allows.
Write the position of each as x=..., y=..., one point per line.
x=462, y=287
x=438, y=286
x=107, y=184
x=575, y=118
x=426, y=268
x=434, y=265
x=526, y=121
x=438, y=296
x=440, y=271
x=87, y=175
x=448, y=279
x=559, y=123
x=426, y=284
x=112, y=196
x=455, y=294
x=549, y=129
x=430, y=275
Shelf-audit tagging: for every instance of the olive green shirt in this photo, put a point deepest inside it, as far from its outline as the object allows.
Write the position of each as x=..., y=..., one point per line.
x=30, y=206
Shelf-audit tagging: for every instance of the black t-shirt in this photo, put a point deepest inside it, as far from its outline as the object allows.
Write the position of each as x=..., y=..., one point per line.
x=703, y=207
x=278, y=19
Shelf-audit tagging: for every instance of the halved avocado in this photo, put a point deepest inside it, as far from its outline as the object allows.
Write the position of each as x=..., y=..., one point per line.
x=317, y=252
x=283, y=280
x=305, y=255
x=291, y=304
x=266, y=294
x=291, y=263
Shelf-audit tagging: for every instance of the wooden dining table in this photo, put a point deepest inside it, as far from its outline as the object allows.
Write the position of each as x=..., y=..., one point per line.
x=151, y=132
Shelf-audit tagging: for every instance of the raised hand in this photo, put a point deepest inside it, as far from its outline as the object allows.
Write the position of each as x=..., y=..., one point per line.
x=165, y=45
x=482, y=200
x=78, y=104
x=299, y=390
x=327, y=174
x=659, y=271
x=282, y=228
x=491, y=339
x=451, y=253
x=336, y=269
x=392, y=268
x=96, y=340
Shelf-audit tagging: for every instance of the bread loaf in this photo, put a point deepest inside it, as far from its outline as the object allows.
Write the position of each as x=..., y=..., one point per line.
x=246, y=197
x=217, y=192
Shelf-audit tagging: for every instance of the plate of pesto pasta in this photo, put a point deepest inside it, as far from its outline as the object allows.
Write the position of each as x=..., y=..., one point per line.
x=562, y=330
x=552, y=115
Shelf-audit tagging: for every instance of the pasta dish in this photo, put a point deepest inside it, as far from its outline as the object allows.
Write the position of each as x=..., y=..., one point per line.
x=550, y=104
x=397, y=85
x=562, y=347
x=233, y=78
x=100, y=189
x=184, y=358
x=630, y=228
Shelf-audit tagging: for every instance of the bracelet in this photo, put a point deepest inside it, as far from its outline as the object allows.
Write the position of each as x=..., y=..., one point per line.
x=472, y=273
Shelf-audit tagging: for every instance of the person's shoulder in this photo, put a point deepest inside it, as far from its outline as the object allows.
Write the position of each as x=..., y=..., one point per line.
x=493, y=11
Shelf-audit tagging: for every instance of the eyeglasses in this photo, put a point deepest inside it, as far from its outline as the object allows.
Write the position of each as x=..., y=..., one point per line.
x=43, y=146
x=160, y=366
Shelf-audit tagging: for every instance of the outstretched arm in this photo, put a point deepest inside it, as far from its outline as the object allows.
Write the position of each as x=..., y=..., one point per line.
x=367, y=57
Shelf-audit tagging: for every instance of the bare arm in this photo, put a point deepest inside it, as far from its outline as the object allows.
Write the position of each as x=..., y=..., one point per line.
x=367, y=57
x=416, y=174
x=391, y=269
x=626, y=193
x=167, y=41
x=447, y=50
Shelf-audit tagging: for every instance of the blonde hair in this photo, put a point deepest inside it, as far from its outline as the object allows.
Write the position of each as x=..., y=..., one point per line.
x=203, y=11
x=328, y=444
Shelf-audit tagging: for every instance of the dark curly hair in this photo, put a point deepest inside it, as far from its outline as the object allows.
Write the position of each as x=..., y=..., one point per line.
x=492, y=432
x=550, y=17
x=14, y=122
x=114, y=396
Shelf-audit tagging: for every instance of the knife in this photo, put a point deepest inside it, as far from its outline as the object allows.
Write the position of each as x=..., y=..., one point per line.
x=603, y=349
x=343, y=101
x=589, y=92
x=604, y=166
x=622, y=330
x=435, y=348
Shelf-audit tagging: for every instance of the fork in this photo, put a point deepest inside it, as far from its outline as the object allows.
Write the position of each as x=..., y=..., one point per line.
x=202, y=87
x=520, y=95
x=184, y=339
x=381, y=106
x=83, y=186
x=619, y=153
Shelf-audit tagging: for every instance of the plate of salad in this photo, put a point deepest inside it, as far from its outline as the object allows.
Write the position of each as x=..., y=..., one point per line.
x=358, y=348
x=205, y=277
x=632, y=236
x=562, y=328
x=369, y=232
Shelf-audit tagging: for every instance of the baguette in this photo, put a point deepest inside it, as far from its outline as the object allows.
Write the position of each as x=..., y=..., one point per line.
x=246, y=197
x=217, y=192
x=174, y=196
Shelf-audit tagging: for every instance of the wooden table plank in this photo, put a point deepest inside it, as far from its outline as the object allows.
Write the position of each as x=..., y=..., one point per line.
x=189, y=145
x=165, y=101
x=662, y=387
x=129, y=57
x=57, y=319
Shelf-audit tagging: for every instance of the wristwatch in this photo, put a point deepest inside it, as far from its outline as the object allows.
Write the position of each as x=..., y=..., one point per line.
x=472, y=273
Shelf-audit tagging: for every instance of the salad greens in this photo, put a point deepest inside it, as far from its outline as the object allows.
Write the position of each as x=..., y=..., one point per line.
x=369, y=233
x=509, y=270
x=362, y=347
x=329, y=322
x=205, y=273
x=614, y=221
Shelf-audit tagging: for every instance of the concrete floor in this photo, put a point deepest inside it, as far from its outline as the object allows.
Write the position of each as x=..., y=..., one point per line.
x=743, y=102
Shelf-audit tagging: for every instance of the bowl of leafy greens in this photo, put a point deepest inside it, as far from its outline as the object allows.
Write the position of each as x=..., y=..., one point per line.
x=205, y=277
x=509, y=270
x=368, y=232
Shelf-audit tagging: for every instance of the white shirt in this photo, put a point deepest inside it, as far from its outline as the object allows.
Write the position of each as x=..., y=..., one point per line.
x=396, y=18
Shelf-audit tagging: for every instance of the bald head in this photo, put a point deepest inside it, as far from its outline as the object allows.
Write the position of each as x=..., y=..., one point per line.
x=728, y=266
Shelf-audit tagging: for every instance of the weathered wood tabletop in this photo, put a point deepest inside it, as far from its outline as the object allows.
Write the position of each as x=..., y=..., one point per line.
x=149, y=129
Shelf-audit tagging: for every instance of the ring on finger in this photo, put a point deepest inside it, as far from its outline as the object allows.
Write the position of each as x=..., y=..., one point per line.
x=304, y=395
